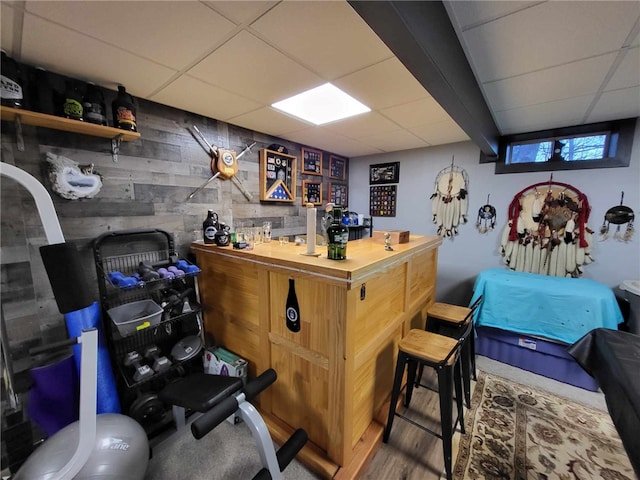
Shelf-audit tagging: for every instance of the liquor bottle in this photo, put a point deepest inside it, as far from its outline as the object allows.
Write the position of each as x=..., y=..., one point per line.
x=41, y=92
x=124, y=111
x=95, y=110
x=210, y=227
x=337, y=236
x=292, y=308
x=72, y=106
x=10, y=82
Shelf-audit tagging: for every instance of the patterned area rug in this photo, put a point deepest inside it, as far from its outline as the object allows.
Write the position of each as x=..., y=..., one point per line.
x=516, y=432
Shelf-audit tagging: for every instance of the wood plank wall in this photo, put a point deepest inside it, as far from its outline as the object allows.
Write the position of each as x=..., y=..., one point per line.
x=146, y=188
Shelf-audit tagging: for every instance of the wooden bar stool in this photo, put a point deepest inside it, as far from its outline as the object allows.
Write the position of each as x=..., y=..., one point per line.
x=450, y=320
x=422, y=348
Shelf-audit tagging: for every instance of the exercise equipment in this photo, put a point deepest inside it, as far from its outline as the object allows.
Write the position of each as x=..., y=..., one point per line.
x=160, y=363
x=141, y=371
x=108, y=446
x=218, y=397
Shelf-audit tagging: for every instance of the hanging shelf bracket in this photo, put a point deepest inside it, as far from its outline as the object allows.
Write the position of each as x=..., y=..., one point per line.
x=115, y=147
x=19, y=137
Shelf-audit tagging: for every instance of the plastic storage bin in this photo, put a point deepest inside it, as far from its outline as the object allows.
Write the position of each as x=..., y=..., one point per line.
x=135, y=316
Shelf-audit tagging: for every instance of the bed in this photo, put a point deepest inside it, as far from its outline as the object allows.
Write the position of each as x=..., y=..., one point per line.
x=528, y=320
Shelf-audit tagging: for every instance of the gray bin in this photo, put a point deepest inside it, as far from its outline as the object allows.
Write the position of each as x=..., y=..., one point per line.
x=135, y=316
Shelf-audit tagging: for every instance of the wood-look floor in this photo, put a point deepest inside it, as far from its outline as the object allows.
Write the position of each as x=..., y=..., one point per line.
x=412, y=453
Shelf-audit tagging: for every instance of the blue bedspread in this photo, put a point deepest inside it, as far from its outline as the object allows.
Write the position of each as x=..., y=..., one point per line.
x=562, y=309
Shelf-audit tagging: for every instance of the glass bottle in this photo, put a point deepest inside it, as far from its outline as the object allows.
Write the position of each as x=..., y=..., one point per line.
x=124, y=111
x=337, y=236
x=292, y=308
x=72, y=106
x=95, y=110
x=210, y=227
x=41, y=92
x=11, y=85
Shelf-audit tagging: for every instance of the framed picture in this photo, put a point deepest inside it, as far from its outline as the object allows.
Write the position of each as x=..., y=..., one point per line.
x=382, y=201
x=277, y=176
x=337, y=167
x=338, y=194
x=311, y=192
x=311, y=161
x=384, y=173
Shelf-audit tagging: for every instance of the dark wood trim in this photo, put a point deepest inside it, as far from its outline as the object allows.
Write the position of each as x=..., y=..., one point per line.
x=420, y=34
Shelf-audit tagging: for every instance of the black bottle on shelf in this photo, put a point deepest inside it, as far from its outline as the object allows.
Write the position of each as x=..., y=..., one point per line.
x=40, y=92
x=72, y=106
x=124, y=111
x=94, y=108
x=337, y=236
x=11, y=92
x=210, y=227
x=292, y=308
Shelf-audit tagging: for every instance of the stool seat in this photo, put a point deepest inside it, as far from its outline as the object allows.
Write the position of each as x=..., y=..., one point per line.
x=449, y=313
x=428, y=346
x=200, y=391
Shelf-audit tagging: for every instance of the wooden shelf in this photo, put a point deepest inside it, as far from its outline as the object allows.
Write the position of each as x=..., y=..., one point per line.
x=58, y=123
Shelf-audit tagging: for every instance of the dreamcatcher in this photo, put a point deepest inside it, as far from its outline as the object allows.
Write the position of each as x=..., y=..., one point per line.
x=449, y=203
x=618, y=215
x=547, y=231
x=486, y=217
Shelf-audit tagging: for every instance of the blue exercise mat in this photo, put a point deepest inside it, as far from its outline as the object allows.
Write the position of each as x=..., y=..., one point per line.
x=89, y=317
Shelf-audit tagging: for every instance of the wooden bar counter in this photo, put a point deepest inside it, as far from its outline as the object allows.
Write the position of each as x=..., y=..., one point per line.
x=335, y=374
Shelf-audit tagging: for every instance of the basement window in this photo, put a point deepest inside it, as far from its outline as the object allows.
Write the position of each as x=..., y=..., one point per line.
x=599, y=145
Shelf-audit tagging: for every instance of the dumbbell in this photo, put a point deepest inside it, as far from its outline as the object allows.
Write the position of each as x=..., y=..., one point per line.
x=186, y=267
x=142, y=371
x=160, y=362
x=177, y=272
x=164, y=273
x=147, y=272
x=120, y=280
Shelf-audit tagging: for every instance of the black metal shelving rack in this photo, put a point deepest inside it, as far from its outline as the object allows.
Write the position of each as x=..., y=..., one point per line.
x=122, y=251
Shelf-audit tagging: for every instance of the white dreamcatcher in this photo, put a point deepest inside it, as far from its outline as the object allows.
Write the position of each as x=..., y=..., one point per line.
x=449, y=202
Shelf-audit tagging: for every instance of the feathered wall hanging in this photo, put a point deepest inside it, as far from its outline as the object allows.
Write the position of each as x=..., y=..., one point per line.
x=547, y=230
x=70, y=180
x=486, y=217
x=618, y=215
x=449, y=202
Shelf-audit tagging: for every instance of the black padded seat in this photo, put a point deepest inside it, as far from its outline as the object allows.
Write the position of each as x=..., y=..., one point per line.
x=200, y=391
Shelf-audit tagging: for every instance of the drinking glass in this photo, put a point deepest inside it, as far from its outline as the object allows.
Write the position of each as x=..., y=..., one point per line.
x=266, y=232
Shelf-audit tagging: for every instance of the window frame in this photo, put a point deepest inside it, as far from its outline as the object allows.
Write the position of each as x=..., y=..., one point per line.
x=621, y=133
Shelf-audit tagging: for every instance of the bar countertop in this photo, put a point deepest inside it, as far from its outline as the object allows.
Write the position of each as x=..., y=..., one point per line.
x=364, y=257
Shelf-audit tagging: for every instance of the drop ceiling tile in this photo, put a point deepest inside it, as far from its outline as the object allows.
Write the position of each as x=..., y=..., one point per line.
x=6, y=28
x=364, y=125
x=141, y=27
x=628, y=72
x=64, y=51
x=248, y=66
x=382, y=85
x=413, y=114
x=544, y=116
x=328, y=37
x=241, y=12
x=565, y=81
x=321, y=138
x=440, y=133
x=548, y=34
x=199, y=97
x=395, y=141
x=268, y=120
x=469, y=13
x=617, y=105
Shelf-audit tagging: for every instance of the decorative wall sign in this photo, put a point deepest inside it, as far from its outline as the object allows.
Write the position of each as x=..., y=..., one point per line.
x=311, y=161
x=338, y=194
x=277, y=176
x=382, y=201
x=384, y=173
x=311, y=192
x=337, y=167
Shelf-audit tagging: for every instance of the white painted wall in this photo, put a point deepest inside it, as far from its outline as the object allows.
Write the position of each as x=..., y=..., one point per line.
x=469, y=253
